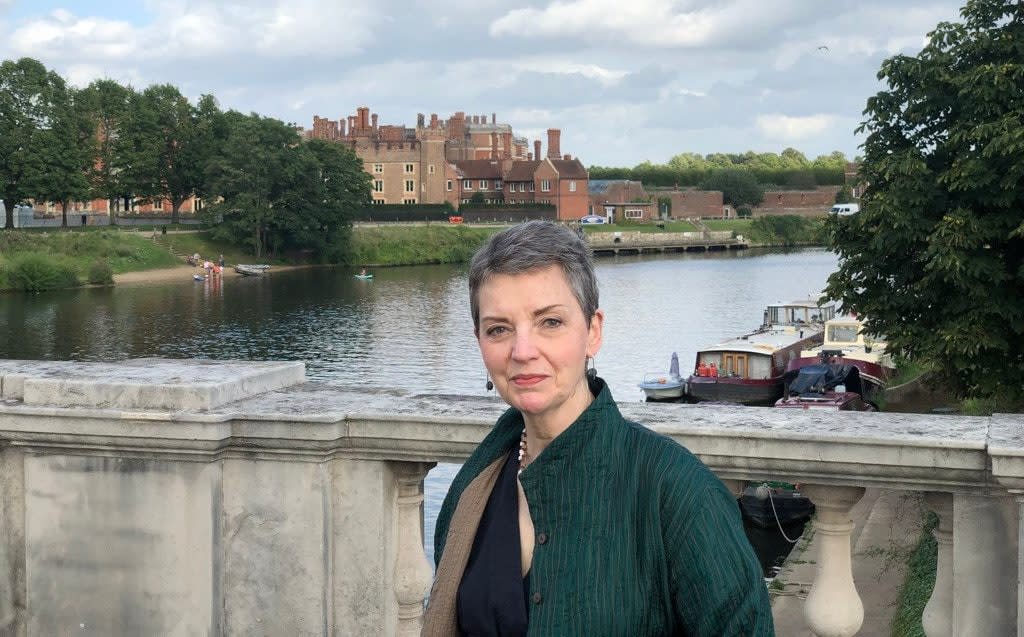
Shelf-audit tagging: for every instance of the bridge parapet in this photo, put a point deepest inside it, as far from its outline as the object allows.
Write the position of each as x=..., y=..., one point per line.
x=292, y=507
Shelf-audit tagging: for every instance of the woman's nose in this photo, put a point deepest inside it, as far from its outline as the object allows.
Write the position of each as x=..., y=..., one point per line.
x=523, y=347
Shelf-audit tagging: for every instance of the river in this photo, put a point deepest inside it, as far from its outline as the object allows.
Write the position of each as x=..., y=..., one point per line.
x=408, y=327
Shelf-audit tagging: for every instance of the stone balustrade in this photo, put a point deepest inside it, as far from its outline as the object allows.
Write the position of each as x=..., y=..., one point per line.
x=201, y=498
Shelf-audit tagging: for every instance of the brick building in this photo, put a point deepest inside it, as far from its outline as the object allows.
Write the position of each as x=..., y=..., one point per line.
x=454, y=159
x=806, y=203
x=621, y=199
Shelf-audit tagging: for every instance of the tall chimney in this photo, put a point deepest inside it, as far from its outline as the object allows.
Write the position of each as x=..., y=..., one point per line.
x=364, y=117
x=420, y=119
x=506, y=143
x=374, y=124
x=341, y=127
x=529, y=156
x=494, y=118
x=352, y=124
x=554, y=145
x=433, y=120
x=536, y=149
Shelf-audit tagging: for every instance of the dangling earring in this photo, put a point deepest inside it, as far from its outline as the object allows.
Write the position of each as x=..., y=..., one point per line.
x=489, y=385
x=591, y=370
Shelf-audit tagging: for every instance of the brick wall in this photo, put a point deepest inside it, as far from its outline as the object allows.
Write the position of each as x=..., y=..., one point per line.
x=802, y=202
x=693, y=203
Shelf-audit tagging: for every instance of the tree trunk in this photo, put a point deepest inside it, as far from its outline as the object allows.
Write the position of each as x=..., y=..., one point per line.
x=64, y=214
x=175, y=202
x=9, y=215
x=259, y=242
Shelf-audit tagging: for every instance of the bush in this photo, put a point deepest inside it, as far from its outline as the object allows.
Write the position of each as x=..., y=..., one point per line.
x=35, y=272
x=100, y=272
x=744, y=213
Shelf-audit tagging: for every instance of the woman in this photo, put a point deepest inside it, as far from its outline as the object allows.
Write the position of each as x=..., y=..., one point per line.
x=569, y=519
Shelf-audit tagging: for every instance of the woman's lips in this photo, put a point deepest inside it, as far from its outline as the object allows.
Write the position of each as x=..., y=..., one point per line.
x=527, y=380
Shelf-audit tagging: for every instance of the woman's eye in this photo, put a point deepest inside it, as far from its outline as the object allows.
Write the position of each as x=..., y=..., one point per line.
x=496, y=330
x=552, y=322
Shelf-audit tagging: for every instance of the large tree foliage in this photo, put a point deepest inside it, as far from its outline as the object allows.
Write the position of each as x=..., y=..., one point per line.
x=165, y=142
x=935, y=258
x=739, y=187
x=106, y=104
x=275, y=193
x=34, y=103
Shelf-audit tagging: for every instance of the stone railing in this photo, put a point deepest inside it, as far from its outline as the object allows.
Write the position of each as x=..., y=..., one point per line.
x=198, y=498
x=627, y=239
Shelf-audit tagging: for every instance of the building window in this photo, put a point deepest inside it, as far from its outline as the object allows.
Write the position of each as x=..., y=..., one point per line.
x=158, y=204
x=531, y=186
x=410, y=185
x=378, y=168
x=467, y=184
x=378, y=185
x=634, y=213
x=498, y=185
x=378, y=202
x=572, y=185
x=465, y=201
x=430, y=169
x=483, y=184
x=545, y=185
x=409, y=168
x=448, y=185
x=408, y=201
x=197, y=204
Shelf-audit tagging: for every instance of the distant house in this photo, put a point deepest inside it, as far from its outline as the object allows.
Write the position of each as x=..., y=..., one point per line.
x=620, y=199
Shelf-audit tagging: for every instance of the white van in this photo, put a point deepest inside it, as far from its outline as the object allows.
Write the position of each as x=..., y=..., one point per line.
x=845, y=209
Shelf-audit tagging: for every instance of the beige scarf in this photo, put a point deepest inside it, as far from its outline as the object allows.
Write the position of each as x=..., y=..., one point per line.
x=440, y=619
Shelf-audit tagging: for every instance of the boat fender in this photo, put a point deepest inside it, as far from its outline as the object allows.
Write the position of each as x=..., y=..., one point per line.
x=762, y=492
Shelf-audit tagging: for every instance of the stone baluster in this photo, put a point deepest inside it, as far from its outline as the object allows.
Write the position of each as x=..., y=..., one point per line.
x=985, y=533
x=833, y=607
x=937, y=618
x=413, y=574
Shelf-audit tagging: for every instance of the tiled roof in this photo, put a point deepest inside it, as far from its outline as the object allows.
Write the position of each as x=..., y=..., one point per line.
x=479, y=168
x=522, y=170
x=570, y=168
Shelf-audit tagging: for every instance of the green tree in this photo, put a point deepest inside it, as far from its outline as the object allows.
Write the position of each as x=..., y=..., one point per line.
x=31, y=98
x=739, y=187
x=64, y=155
x=276, y=193
x=935, y=258
x=106, y=104
x=167, y=143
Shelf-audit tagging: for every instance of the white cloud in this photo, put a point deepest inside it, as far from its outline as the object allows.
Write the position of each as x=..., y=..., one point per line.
x=786, y=127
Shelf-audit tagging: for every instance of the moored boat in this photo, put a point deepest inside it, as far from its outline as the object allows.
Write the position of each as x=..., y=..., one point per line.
x=846, y=343
x=251, y=270
x=660, y=386
x=750, y=369
x=768, y=506
x=824, y=387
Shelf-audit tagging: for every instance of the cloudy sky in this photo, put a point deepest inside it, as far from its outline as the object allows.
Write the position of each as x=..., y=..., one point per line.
x=625, y=80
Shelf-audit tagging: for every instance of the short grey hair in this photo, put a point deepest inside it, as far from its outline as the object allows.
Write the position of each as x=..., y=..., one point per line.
x=531, y=246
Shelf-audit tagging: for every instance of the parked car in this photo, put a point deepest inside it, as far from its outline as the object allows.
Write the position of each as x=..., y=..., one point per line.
x=593, y=219
x=844, y=209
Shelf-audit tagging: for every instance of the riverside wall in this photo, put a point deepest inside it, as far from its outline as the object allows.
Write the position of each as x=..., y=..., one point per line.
x=157, y=497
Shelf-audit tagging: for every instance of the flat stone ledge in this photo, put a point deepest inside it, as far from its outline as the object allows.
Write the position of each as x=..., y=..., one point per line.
x=143, y=384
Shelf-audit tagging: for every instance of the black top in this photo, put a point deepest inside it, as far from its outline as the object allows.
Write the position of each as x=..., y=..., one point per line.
x=492, y=595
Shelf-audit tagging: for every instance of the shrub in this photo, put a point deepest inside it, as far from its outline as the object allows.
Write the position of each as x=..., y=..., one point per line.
x=743, y=213
x=100, y=272
x=34, y=272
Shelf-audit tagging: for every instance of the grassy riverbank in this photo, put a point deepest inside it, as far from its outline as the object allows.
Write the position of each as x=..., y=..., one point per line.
x=36, y=260
x=413, y=245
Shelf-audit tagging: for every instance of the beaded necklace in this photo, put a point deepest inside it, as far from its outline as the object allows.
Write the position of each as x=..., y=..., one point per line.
x=522, y=451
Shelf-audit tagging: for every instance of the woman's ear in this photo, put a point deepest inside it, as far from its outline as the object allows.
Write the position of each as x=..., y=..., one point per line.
x=594, y=338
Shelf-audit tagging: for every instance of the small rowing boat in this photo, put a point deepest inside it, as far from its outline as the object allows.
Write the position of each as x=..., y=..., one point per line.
x=251, y=270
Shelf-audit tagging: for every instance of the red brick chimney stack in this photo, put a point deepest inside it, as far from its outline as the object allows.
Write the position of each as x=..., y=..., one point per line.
x=494, y=145
x=554, y=144
x=364, y=117
x=374, y=120
x=529, y=156
x=433, y=120
x=536, y=149
x=494, y=118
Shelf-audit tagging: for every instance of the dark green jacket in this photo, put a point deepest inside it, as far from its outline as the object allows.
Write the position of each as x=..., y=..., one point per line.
x=639, y=537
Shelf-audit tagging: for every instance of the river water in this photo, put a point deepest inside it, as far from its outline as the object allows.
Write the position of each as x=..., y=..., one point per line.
x=408, y=327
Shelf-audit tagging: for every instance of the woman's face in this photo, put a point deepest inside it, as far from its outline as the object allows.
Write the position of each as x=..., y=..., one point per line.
x=535, y=341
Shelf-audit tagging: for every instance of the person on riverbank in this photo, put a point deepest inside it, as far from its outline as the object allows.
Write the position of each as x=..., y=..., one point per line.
x=568, y=518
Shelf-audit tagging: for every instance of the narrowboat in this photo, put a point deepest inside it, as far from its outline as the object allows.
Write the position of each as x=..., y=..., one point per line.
x=750, y=369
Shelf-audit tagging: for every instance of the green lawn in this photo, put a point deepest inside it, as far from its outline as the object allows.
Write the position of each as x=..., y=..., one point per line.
x=739, y=226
